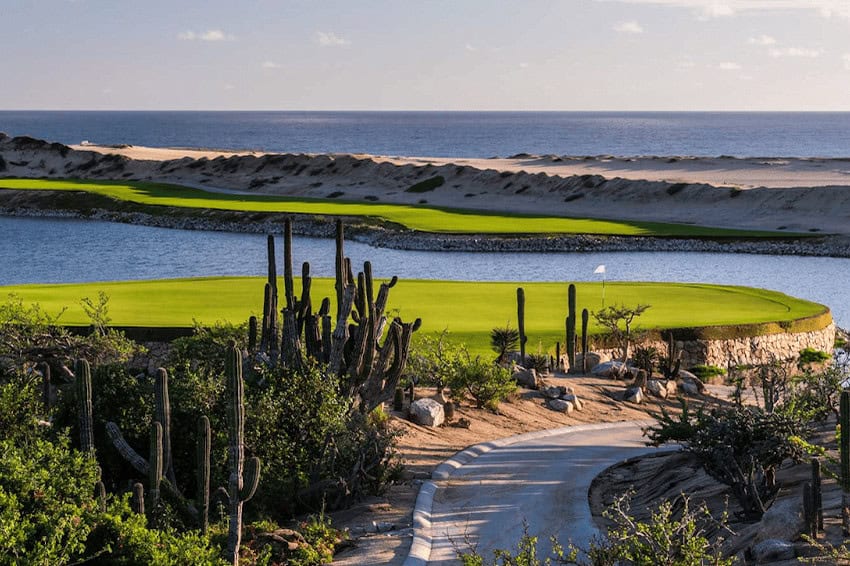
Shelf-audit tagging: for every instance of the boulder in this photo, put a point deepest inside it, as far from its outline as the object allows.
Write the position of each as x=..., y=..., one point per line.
x=608, y=369
x=427, y=412
x=593, y=360
x=773, y=550
x=571, y=397
x=689, y=387
x=657, y=388
x=527, y=378
x=560, y=405
x=687, y=376
x=783, y=520
x=672, y=388
x=633, y=395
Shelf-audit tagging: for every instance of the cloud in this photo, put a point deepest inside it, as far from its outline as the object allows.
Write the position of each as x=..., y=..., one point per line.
x=628, y=27
x=209, y=35
x=686, y=64
x=330, y=39
x=270, y=65
x=762, y=40
x=729, y=66
x=523, y=65
x=727, y=8
x=469, y=47
x=846, y=59
x=795, y=52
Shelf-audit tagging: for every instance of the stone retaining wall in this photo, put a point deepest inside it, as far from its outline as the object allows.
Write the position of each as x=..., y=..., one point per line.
x=751, y=350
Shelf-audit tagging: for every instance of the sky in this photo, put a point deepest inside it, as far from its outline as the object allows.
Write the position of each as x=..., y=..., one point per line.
x=425, y=55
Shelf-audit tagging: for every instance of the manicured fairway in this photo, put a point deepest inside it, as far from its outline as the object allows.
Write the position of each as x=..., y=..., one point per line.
x=422, y=218
x=469, y=310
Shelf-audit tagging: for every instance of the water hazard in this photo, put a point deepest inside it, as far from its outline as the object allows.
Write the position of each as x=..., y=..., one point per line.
x=41, y=250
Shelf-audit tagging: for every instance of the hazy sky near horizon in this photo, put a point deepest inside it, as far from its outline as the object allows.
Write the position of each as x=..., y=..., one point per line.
x=426, y=55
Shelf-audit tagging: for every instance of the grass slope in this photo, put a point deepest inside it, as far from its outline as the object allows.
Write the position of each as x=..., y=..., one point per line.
x=422, y=218
x=469, y=310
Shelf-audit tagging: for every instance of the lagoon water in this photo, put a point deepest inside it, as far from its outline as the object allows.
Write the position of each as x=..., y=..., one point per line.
x=46, y=250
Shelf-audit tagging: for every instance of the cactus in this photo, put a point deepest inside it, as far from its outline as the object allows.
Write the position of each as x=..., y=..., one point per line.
x=817, y=494
x=571, y=326
x=137, y=501
x=673, y=361
x=202, y=498
x=288, y=286
x=83, y=381
x=240, y=489
x=520, y=315
x=398, y=400
x=252, y=334
x=339, y=267
x=585, y=317
x=844, y=448
x=557, y=355
x=155, y=471
x=162, y=414
x=810, y=515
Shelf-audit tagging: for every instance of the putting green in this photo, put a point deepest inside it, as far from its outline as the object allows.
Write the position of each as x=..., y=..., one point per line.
x=469, y=310
x=421, y=218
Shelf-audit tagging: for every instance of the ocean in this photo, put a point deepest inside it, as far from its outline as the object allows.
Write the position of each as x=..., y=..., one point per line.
x=455, y=134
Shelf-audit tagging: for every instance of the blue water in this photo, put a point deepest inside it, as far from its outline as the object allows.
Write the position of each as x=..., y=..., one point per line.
x=456, y=134
x=43, y=250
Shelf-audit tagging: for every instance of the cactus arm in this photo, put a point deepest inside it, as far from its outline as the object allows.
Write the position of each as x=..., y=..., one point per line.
x=156, y=462
x=162, y=414
x=202, y=499
x=288, y=285
x=137, y=502
x=251, y=479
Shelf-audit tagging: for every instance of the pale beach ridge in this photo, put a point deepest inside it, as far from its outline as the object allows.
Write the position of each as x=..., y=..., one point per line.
x=781, y=194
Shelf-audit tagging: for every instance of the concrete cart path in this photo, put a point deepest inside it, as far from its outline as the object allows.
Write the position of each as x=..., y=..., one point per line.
x=542, y=478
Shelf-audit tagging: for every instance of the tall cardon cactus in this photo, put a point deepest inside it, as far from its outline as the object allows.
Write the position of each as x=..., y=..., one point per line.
x=585, y=317
x=82, y=371
x=571, y=326
x=202, y=497
x=244, y=477
x=844, y=449
x=520, y=315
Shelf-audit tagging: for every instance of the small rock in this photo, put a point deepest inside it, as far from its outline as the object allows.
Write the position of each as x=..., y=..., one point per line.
x=427, y=412
x=572, y=398
x=672, y=388
x=772, y=549
x=689, y=387
x=527, y=378
x=657, y=388
x=381, y=527
x=633, y=395
x=461, y=423
x=553, y=392
x=560, y=405
x=783, y=520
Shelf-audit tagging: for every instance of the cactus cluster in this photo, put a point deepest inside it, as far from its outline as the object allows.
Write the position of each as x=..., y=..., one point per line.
x=369, y=370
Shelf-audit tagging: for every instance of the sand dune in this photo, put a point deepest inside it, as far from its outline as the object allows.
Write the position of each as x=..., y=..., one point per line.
x=783, y=194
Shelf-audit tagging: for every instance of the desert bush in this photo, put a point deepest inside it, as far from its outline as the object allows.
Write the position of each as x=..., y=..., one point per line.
x=739, y=446
x=537, y=362
x=618, y=321
x=431, y=360
x=811, y=356
x=486, y=382
x=646, y=358
x=667, y=538
x=704, y=372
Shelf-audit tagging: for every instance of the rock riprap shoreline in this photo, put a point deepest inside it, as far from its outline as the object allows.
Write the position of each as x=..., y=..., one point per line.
x=465, y=184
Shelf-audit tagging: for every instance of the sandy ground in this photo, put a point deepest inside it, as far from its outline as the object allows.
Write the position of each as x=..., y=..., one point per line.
x=719, y=171
x=422, y=449
x=781, y=195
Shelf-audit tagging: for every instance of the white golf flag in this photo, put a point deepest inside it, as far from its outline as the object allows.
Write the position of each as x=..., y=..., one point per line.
x=600, y=269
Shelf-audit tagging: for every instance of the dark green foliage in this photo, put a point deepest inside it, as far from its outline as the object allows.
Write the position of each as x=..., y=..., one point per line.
x=705, y=372
x=427, y=185
x=503, y=341
x=739, y=446
x=19, y=406
x=487, y=383
x=47, y=504
x=812, y=356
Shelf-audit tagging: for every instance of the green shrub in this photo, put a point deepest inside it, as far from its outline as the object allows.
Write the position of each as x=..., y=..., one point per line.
x=486, y=382
x=705, y=372
x=537, y=362
x=46, y=501
x=812, y=356
x=427, y=185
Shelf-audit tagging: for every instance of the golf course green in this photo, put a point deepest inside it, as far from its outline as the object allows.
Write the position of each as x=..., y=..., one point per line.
x=421, y=218
x=468, y=310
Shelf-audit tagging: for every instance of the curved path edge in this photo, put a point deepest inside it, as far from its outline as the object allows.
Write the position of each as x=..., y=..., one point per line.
x=420, y=548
